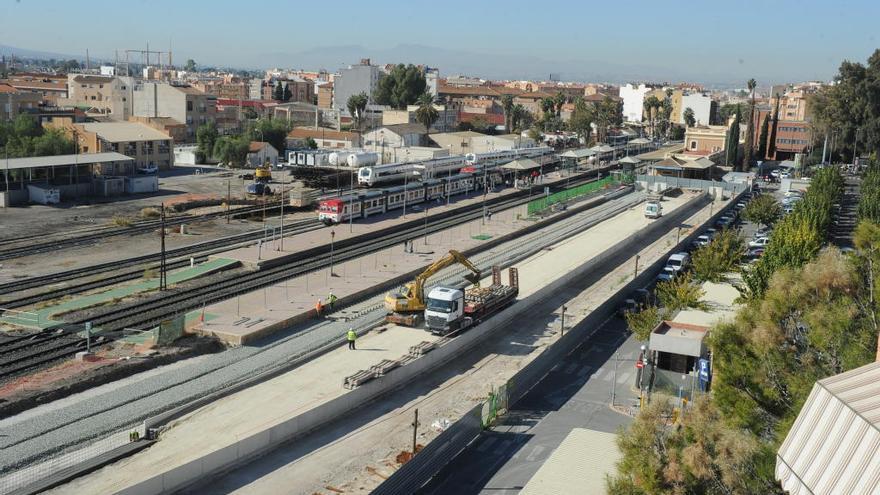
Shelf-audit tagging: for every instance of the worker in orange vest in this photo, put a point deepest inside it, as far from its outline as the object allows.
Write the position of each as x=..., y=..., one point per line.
x=319, y=308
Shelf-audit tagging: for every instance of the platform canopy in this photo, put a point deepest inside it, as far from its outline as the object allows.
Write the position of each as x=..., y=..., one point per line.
x=578, y=153
x=630, y=160
x=522, y=164
x=602, y=148
x=640, y=141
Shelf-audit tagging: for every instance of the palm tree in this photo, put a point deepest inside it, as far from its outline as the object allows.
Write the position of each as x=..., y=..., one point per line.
x=426, y=114
x=507, y=106
x=517, y=115
x=559, y=99
x=689, y=119
x=548, y=104
x=747, y=152
x=651, y=105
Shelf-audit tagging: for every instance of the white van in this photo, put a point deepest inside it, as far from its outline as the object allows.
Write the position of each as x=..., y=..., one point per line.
x=679, y=261
x=653, y=209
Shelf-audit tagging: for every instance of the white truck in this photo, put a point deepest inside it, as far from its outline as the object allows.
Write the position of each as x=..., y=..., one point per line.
x=451, y=309
x=653, y=209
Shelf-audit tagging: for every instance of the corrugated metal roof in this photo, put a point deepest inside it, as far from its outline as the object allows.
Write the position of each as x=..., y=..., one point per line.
x=62, y=160
x=834, y=445
x=577, y=466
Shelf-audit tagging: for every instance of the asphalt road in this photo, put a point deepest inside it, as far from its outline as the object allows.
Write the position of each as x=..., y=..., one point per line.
x=575, y=394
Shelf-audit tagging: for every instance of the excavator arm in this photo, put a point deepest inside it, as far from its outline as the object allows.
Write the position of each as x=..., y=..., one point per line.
x=412, y=298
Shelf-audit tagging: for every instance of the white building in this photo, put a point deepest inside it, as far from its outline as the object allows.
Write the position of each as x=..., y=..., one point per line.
x=701, y=105
x=633, y=101
x=356, y=79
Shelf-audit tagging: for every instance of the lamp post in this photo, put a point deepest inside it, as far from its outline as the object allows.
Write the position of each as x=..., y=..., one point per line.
x=332, y=237
x=405, y=184
x=351, y=203
x=449, y=178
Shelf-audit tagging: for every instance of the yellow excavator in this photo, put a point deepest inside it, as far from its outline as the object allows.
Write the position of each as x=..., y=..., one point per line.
x=407, y=306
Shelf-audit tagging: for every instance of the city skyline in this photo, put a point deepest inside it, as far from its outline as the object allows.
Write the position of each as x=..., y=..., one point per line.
x=498, y=41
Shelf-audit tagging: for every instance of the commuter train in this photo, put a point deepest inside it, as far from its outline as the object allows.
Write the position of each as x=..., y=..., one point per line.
x=361, y=204
x=437, y=167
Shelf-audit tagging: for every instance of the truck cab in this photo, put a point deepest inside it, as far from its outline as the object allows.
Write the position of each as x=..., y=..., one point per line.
x=444, y=310
x=653, y=209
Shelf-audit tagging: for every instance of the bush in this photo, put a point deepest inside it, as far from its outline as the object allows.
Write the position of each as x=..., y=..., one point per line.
x=719, y=257
x=150, y=213
x=642, y=322
x=121, y=221
x=680, y=293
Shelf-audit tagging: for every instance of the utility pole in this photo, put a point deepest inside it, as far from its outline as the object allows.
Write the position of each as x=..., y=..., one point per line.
x=636, y=274
x=163, y=282
x=332, y=237
x=415, y=425
x=562, y=323
x=228, y=198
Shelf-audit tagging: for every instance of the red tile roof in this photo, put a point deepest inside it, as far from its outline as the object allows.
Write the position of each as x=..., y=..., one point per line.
x=303, y=133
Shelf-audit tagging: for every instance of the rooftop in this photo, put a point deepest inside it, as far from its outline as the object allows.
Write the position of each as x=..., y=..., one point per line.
x=62, y=160
x=305, y=132
x=116, y=132
x=401, y=129
x=578, y=465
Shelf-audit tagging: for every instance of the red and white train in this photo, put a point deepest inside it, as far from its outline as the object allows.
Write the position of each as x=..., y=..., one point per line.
x=361, y=204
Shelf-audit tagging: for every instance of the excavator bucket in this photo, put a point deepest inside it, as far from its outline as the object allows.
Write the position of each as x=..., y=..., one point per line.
x=473, y=278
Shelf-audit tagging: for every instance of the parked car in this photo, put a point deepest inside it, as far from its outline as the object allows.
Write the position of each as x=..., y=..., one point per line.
x=668, y=273
x=759, y=242
x=740, y=205
x=701, y=241
x=259, y=188
x=679, y=261
x=148, y=169
x=628, y=306
x=788, y=209
x=762, y=232
x=755, y=253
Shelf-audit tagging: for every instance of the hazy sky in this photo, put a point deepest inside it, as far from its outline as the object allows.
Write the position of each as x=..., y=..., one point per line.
x=767, y=39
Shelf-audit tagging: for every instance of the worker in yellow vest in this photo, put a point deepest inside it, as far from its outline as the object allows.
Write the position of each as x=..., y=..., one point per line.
x=331, y=299
x=351, y=336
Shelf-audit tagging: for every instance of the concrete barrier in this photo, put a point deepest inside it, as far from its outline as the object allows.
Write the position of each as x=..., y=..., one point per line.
x=261, y=443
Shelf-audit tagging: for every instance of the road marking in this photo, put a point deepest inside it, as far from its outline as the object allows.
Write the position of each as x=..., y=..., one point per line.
x=556, y=367
x=486, y=444
x=598, y=374
x=608, y=377
x=571, y=368
x=535, y=453
x=624, y=377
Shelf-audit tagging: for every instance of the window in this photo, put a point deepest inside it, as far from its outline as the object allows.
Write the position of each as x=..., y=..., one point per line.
x=693, y=145
x=189, y=106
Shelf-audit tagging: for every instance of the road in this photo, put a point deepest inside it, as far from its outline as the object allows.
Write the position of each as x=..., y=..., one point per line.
x=575, y=394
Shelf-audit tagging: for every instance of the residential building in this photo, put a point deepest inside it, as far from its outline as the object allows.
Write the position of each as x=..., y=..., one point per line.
x=708, y=140
x=464, y=81
x=792, y=137
x=396, y=136
x=356, y=79
x=175, y=129
x=459, y=94
x=570, y=90
x=300, y=90
x=461, y=143
x=432, y=80
x=531, y=101
x=259, y=152
x=325, y=138
x=633, y=101
x=325, y=95
x=447, y=117
x=100, y=95
x=182, y=103
x=224, y=89
x=299, y=114
x=50, y=88
x=146, y=145
x=700, y=103
x=14, y=102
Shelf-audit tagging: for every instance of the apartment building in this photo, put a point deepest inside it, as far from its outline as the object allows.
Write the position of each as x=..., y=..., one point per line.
x=145, y=145
x=325, y=138
x=14, y=102
x=325, y=95
x=175, y=129
x=633, y=101
x=50, y=88
x=106, y=96
x=184, y=104
x=356, y=79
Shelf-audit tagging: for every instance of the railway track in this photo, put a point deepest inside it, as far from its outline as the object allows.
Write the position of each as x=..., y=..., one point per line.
x=35, y=244
x=181, y=300
x=199, y=251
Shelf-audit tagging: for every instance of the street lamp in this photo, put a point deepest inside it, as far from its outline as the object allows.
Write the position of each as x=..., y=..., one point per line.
x=449, y=178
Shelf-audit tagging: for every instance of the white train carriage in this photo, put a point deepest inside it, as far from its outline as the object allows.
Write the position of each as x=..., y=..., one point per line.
x=396, y=172
x=411, y=193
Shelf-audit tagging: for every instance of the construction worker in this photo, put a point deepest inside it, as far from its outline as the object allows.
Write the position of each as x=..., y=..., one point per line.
x=319, y=308
x=351, y=336
x=330, y=300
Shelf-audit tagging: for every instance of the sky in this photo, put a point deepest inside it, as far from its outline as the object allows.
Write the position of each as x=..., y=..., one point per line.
x=707, y=41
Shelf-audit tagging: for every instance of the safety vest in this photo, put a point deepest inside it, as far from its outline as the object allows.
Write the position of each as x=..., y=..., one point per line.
x=351, y=335
x=332, y=298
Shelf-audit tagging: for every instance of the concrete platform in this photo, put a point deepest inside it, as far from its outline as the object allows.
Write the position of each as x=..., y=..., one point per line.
x=251, y=316
x=245, y=413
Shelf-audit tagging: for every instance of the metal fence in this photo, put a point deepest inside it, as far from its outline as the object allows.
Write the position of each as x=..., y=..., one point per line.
x=568, y=194
x=38, y=472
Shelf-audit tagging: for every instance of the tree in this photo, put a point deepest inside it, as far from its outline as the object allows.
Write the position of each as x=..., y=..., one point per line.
x=357, y=106
x=190, y=65
x=548, y=105
x=763, y=210
x=507, y=106
x=771, y=151
x=559, y=100
x=232, y=150
x=581, y=120
x=401, y=87
x=869, y=197
x=689, y=119
x=427, y=114
x=536, y=135
x=311, y=144
x=750, y=129
x=25, y=137
x=206, y=136
x=521, y=118
x=762, y=139
x=680, y=293
x=721, y=256
x=286, y=95
x=273, y=131
x=733, y=142
x=609, y=113
x=729, y=110
x=651, y=106
x=278, y=92
x=642, y=322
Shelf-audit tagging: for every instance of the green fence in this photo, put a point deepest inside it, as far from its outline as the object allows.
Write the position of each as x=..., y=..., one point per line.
x=568, y=194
